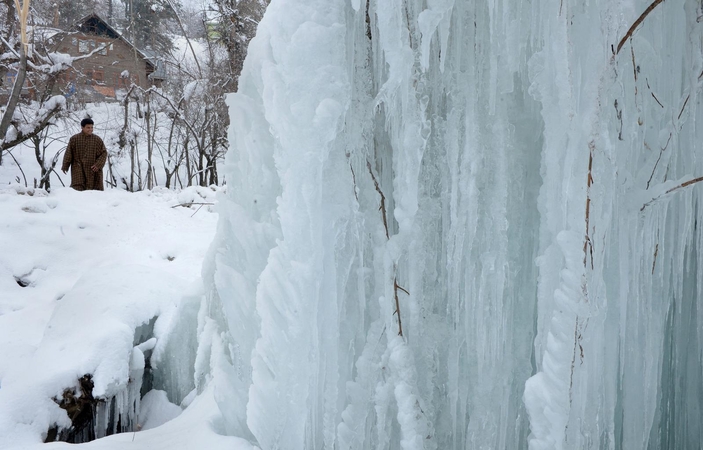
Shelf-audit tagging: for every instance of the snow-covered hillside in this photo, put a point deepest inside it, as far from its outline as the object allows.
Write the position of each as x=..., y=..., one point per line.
x=80, y=272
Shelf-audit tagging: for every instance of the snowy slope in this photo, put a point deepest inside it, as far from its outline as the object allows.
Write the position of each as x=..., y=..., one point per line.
x=79, y=274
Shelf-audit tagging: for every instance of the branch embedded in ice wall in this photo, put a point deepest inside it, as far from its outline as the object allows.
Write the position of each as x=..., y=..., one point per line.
x=673, y=127
x=587, y=244
x=652, y=92
x=656, y=164
x=578, y=336
x=382, y=208
x=637, y=23
x=356, y=196
x=673, y=189
x=618, y=114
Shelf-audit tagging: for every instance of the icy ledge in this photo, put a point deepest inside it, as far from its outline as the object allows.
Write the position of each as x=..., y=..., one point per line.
x=101, y=328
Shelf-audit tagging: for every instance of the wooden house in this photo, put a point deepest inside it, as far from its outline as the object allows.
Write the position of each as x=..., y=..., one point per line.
x=111, y=64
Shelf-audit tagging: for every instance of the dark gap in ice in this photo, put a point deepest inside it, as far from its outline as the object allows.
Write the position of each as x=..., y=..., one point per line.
x=144, y=332
x=22, y=281
x=94, y=418
x=80, y=409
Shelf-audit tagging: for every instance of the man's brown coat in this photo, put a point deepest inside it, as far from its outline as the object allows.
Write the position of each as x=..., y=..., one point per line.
x=82, y=153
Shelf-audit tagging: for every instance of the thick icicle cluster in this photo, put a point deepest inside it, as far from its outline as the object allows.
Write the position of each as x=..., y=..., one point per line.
x=463, y=224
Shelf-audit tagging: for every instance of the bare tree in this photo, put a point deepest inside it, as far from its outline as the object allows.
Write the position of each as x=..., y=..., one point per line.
x=23, y=12
x=41, y=142
x=237, y=22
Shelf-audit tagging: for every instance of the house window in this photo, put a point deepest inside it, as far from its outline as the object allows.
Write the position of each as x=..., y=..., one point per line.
x=103, y=51
x=83, y=46
x=74, y=41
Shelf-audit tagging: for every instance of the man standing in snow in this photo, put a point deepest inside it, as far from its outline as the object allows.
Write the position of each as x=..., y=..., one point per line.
x=86, y=156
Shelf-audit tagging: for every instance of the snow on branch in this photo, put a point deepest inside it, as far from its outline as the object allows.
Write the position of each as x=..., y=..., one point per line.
x=43, y=118
x=7, y=44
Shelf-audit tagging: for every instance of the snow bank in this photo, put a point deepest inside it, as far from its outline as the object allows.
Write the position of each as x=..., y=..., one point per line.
x=82, y=276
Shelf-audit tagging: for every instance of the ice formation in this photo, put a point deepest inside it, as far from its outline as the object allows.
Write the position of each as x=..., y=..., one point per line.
x=507, y=182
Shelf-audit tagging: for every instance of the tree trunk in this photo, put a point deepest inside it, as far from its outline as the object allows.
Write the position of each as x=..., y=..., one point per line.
x=149, y=144
x=16, y=90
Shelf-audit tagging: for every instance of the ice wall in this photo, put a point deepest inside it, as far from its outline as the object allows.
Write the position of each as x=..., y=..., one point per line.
x=462, y=224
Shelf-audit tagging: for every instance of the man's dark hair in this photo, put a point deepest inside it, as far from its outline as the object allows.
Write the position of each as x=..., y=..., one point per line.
x=85, y=122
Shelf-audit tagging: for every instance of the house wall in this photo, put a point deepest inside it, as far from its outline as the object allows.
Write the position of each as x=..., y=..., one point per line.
x=101, y=72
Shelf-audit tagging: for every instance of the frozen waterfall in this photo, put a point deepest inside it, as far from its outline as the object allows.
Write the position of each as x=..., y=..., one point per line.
x=462, y=224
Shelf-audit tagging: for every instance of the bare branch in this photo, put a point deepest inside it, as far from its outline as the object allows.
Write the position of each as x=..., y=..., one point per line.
x=396, y=288
x=19, y=166
x=661, y=151
x=589, y=181
x=185, y=35
x=383, y=198
x=189, y=204
x=674, y=189
x=43, y=123
x=637, y=23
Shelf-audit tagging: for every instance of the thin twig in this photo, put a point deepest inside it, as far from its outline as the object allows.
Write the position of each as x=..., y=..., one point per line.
x=634, y=67
x=652, y=92
x=382, y=208
x=396, y=288
x=383, y=198
x=683, y=107
x=18, y=166
x=573, y=361
x=589, y=181
x=57, y=176
x=673, y=189
x=661, y=151
x=196, y=211
x=188, y=205
x=354, y=181
x=655, y=98
x=637, y=23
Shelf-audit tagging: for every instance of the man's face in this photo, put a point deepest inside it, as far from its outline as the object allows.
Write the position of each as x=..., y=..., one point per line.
x=88, y=129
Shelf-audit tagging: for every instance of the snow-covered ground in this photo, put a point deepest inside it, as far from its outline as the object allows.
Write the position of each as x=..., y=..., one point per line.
x=79, y=273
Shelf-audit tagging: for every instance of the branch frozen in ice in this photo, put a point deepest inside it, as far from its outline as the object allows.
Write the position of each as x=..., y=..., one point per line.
x=673, y=189
x=383, y=198
x=382, y=208
x=637, y=23
x=652, y=92
x=661, y=151
x=589, y=181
